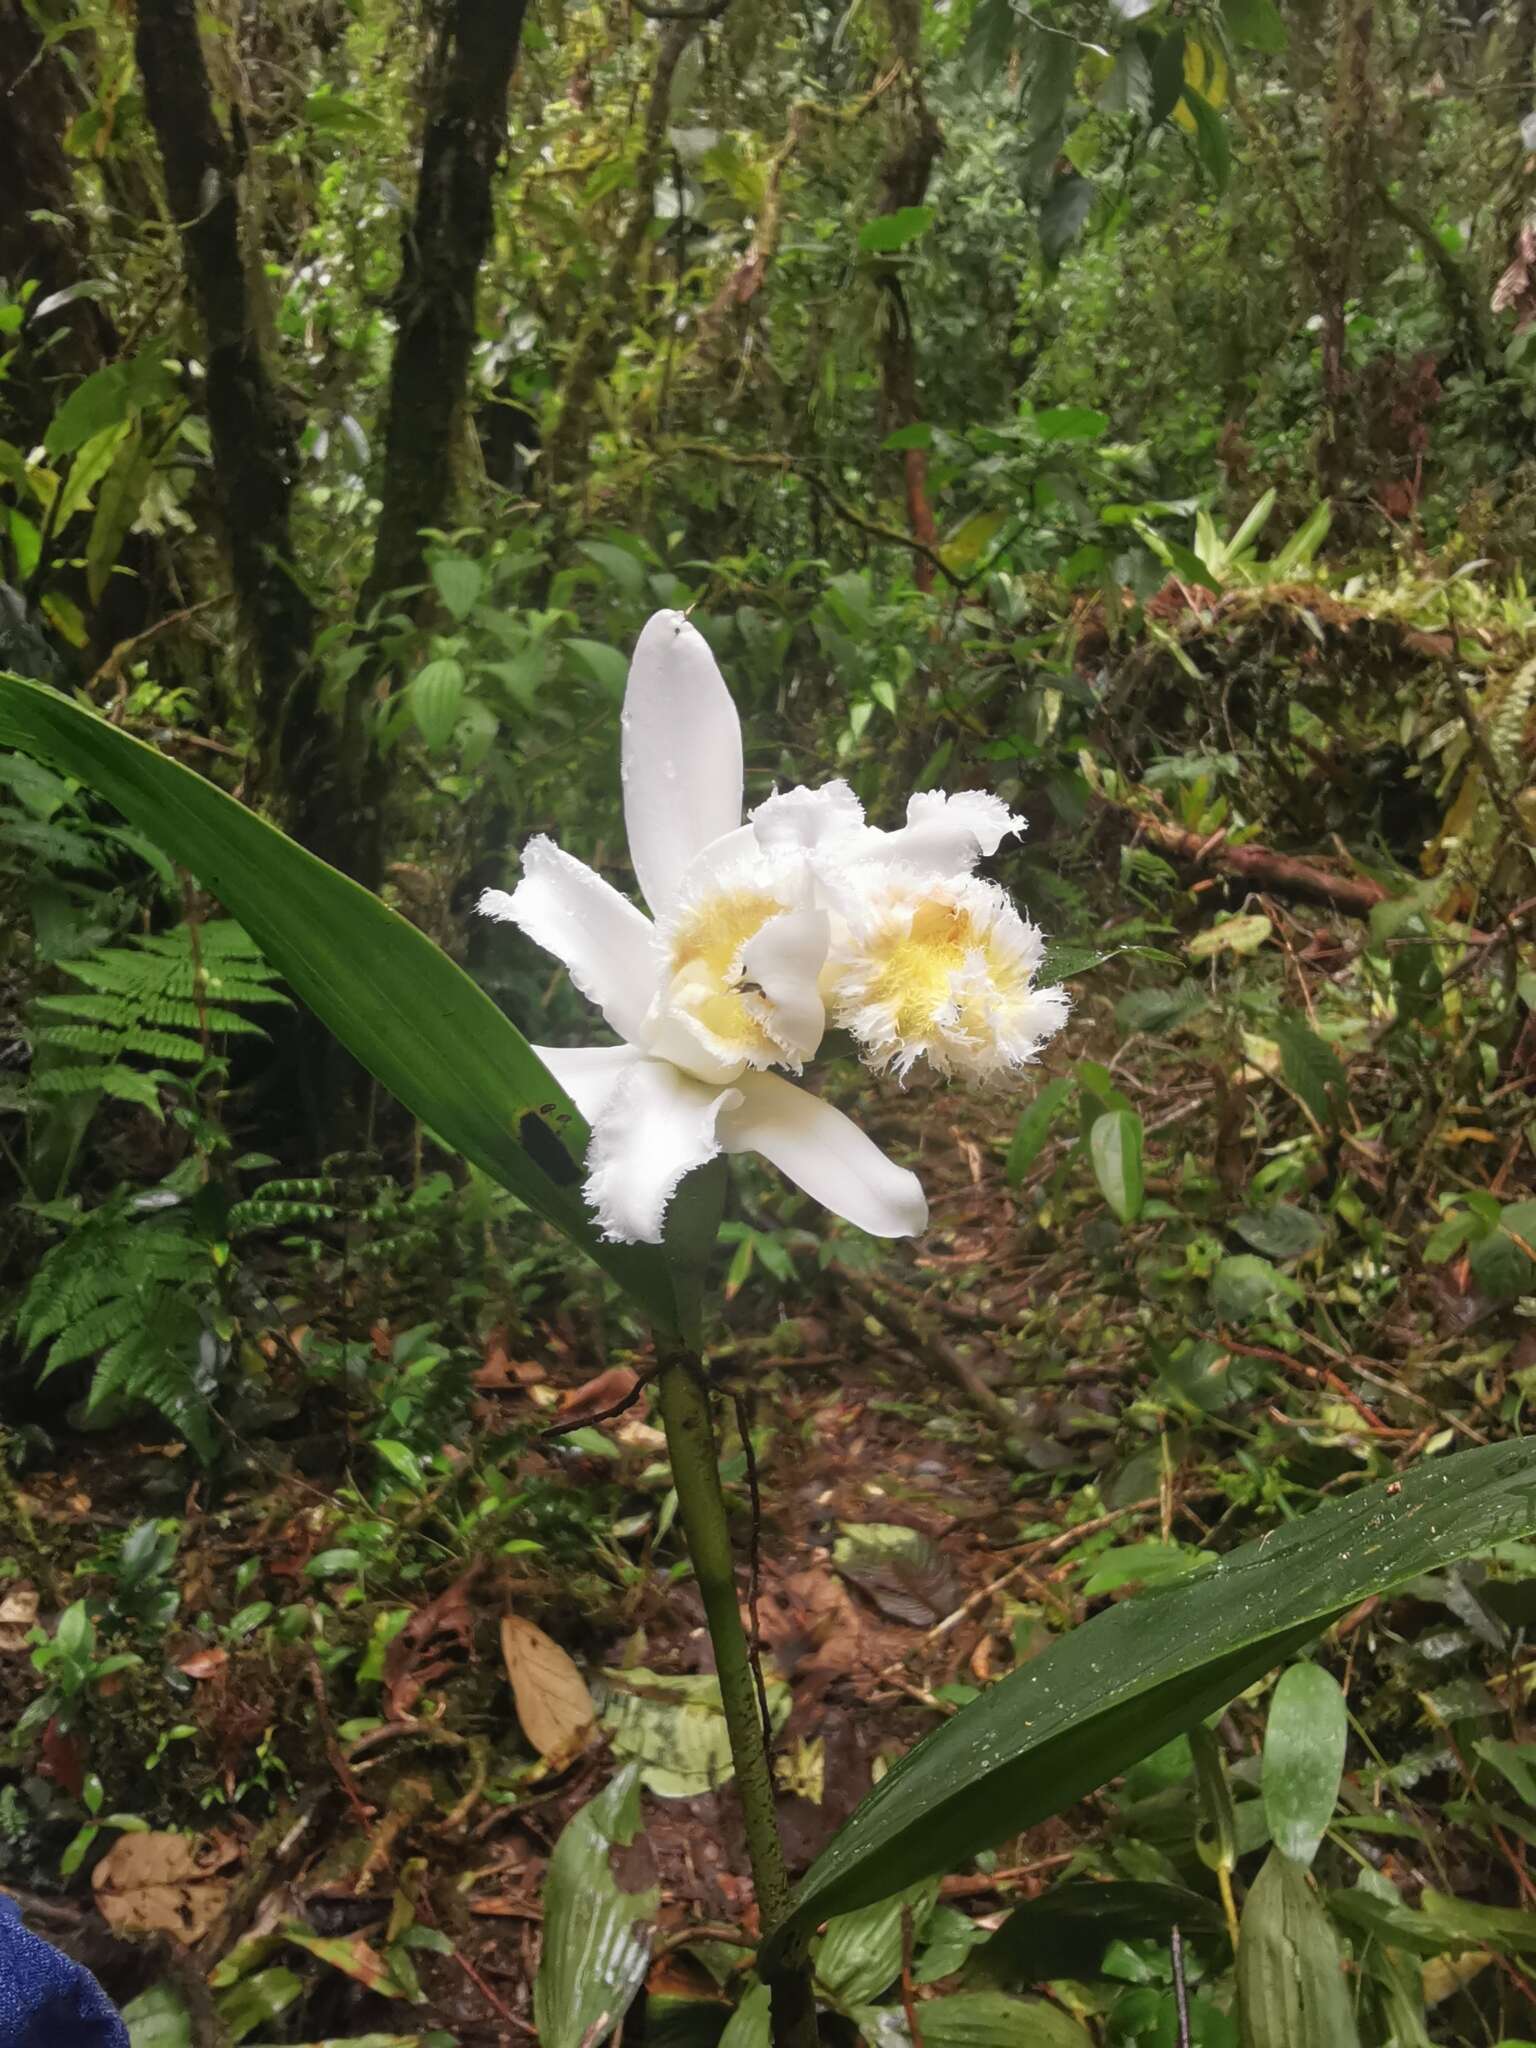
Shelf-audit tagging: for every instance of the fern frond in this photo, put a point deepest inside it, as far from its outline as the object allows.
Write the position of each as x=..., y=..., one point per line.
x=123, y=1083
x=128, y=1289
x=159, y=1362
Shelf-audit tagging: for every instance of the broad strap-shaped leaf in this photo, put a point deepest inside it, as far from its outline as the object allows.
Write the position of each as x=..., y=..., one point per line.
x=600, y=1901
x=397, y=1002
x=1142, y=1672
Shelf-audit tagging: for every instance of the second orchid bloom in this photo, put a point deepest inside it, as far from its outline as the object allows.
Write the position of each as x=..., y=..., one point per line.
x=764, y=933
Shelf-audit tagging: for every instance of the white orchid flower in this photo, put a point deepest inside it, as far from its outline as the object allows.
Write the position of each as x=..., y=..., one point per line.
x=723, y=987
x=926, y=960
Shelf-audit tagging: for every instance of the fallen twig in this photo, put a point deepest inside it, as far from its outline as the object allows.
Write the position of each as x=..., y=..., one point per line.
x=1039, y=1547
x=1354, y=895
x=928, y=1344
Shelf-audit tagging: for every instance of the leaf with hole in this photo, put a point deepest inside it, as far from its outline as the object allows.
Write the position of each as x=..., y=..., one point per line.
x=397, y=1002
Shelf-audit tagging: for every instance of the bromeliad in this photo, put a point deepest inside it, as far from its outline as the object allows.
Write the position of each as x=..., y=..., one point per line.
x=758, y=927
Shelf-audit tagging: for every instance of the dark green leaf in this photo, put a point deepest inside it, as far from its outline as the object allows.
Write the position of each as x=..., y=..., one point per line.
x=1034, y=1127
x=1160, y=1009
x=1501, y=1259
x=397, y=1002
x=1050, y=85
x=1063, y=216
x=1304, y=1742
x=1282, y=1231
x=1064, y=960
x=1128, y=88
x=1211, y=144
x=617, y=564
x=1313, y=1070
x=1065, y=1933
x=1151, y=1667
x=989, y=41
x=1167, y=66
x=606, y=666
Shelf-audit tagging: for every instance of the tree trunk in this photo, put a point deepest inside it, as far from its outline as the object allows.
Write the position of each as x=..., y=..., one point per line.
x=253, y=443
x=915, y=143
x=469, y=72
x=1350, y=191
x=41, y=236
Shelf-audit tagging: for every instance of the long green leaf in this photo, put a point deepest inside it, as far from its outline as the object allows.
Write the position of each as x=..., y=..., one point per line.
x=599, y=1909
x=397, y=1002
x=1144, y=1671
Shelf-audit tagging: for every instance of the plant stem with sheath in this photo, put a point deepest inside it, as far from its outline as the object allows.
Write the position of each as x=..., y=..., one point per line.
x=685, y=1409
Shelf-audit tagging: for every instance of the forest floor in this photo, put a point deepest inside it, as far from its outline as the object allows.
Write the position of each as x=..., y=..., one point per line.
x=331, y=1705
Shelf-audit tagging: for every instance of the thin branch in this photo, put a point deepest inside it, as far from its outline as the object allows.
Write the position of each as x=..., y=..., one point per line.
x=711, y=11
x=890, y=536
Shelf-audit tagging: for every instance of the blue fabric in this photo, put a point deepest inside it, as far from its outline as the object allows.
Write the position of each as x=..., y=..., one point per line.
x=46, y=2001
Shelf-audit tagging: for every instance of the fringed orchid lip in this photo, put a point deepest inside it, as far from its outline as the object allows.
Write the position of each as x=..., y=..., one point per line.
x=724, y=987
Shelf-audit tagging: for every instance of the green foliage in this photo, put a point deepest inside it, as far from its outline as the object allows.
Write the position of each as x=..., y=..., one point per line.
x=127, y=1287
x=148, y=1012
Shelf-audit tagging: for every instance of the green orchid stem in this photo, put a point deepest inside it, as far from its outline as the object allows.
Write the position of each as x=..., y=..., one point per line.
x=685, y=1410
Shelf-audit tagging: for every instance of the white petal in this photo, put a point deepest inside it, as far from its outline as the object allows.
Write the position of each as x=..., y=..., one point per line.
x=824, y=1152
x=785, y=960
x=657, y=1125
x=681, y=755
x=602, y=939
x=807, y=817
x=943, y=835
x=978, y=810
x=588, y=1073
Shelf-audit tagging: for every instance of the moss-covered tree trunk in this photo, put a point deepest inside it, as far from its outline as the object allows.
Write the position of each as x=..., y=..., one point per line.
x=469, y=70
x=296, y=767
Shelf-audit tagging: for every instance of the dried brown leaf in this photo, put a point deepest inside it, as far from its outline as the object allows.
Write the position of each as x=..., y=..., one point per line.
x=18, y=1614
x=165, y=1884
x=553, y=1703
